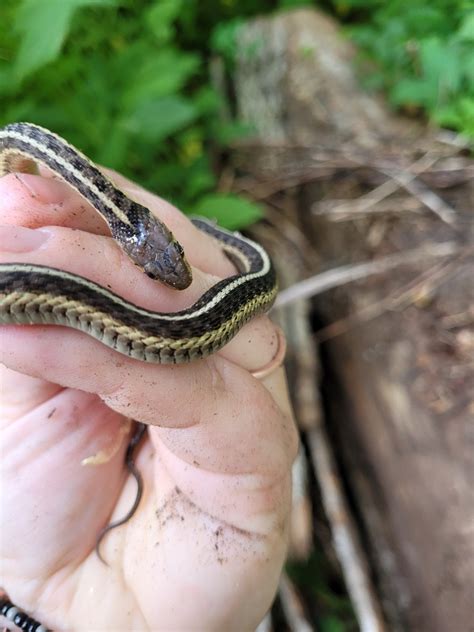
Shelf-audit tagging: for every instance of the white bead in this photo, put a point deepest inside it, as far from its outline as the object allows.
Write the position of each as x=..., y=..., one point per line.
x=11, y=614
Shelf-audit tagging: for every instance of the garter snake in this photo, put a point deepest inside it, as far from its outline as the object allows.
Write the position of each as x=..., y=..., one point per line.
x=41, y=295
x=34, y=294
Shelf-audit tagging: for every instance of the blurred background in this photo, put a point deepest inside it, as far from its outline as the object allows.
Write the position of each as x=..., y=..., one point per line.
x=130, y=83
x=339, y=134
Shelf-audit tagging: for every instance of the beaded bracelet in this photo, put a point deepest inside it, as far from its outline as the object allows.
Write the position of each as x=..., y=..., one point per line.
x=20, y=618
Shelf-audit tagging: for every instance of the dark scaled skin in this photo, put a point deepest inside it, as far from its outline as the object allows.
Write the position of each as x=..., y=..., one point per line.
x=154, y=249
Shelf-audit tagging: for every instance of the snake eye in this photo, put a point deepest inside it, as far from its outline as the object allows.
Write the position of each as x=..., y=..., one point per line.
x=179, y=248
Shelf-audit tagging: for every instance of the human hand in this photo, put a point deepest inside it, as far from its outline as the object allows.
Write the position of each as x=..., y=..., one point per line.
x=205, y=548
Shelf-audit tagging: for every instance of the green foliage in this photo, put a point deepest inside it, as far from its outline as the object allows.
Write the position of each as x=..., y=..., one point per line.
x=224, y=39
x=330, y=607
x=43, y=26
x=294, y=4
x=126, y=81
x=229, y=210
x=424, y=52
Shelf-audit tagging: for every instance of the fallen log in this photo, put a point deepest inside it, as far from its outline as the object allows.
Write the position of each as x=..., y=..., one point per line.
x=347, y=182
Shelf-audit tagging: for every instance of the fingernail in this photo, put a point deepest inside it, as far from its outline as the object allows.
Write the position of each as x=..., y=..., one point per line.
x=20, y=239
x=45, y=190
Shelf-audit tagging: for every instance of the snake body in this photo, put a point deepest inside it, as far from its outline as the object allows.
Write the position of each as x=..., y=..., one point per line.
x=34, y=294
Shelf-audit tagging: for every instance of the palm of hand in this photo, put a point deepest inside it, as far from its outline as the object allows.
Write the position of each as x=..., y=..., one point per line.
x=209, y=534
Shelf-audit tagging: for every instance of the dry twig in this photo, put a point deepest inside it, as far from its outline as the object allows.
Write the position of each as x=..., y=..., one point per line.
x=424, y=284
x=344, y=533
x=429, y=198
x=353, y=272
x=266, y=624
x=301, y=526
x=367, y=202
x=292, y=606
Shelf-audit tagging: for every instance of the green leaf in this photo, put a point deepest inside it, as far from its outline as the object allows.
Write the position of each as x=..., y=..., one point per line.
x=207, y=100
x=226, y=133
x=164, y=74
x=156, y=119
x=293, y=4
x=161, y=17
x=415, y=92
x=6, y=85
x=423, y=20
x=224, y=38
x=331, y=624
x=459, y=115
x=441, y=65
x=113, y=153
x=466, y=31
x=228, y=210
x=199, y=178
x=199, y=181
x=43, y=26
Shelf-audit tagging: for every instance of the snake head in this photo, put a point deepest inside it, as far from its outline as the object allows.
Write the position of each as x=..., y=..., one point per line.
x=153, y=248
x=170, y=266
